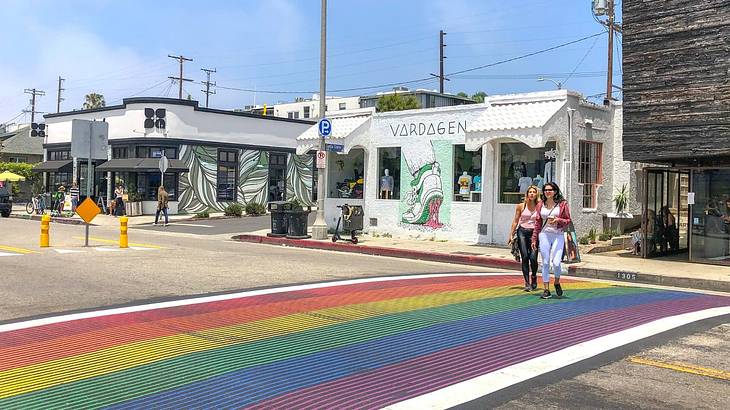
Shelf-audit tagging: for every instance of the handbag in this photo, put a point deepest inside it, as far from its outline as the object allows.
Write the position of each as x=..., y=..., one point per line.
x=515, y=251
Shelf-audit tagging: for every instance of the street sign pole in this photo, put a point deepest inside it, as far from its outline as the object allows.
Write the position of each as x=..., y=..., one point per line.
x=319, y=229
x=89, y=175
x=163, y=165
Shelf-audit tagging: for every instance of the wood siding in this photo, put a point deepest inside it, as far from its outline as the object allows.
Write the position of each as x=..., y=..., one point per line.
x=676, y=60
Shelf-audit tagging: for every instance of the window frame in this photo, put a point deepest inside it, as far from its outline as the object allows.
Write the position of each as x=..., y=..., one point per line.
x=395, y=194
x=590, y=171
x=456, y=175
x=342, y=106
x=228, y=164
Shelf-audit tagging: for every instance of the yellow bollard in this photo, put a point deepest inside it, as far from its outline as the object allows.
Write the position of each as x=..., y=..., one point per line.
x=45, y=228
x=123, y=238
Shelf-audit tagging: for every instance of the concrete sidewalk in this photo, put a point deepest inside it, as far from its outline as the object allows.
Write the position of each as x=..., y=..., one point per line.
x=105, y=220
x=618, y=265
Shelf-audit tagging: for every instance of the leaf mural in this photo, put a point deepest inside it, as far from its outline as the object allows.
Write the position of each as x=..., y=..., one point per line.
x=253, y=176
x=198, y=186
x=299, y=177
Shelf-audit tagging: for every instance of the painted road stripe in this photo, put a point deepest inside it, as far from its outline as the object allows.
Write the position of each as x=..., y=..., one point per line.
x=195, y=225
x=35, y=377
x=682, y=367
x=66, y=251
x=143, y=245
x=508, y=376
x=106, y=249
x=9, y=254
x=16, y=250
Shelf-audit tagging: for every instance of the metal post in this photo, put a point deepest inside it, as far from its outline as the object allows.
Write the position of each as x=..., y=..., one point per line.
x=609, y=77
x=89, y=176
x=319, y=229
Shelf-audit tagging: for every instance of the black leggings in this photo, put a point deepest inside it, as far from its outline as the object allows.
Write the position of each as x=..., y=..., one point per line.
x=528, y=256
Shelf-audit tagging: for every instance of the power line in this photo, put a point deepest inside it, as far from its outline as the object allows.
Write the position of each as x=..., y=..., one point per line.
x=207, y=83
x=33, y=92
x=581, y=60
x=182, y=59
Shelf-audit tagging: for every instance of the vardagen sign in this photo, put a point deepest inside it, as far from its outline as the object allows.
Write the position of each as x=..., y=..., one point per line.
x=434, y=128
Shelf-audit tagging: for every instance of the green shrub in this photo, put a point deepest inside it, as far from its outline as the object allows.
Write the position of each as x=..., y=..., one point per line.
x=204, y=214
x=592, y=234
x=604, y=236
x=253, y=208
x=234, y=210
x=583, y=240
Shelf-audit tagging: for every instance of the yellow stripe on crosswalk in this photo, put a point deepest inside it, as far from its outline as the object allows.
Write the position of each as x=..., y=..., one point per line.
x=16, y=250
x=140, y=245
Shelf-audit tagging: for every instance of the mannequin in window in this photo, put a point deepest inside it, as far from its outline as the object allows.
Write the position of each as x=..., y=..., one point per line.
x=478, y=183
x=464, y=183
x=538, y=181
x=386, y=185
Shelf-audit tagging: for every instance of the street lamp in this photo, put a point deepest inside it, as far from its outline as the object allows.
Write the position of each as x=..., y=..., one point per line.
x=557, y=83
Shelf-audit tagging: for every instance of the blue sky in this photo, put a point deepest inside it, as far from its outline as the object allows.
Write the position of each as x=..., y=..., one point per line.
x=120, y=48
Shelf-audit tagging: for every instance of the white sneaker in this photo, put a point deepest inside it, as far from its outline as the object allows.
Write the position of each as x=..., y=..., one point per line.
x=154, y=223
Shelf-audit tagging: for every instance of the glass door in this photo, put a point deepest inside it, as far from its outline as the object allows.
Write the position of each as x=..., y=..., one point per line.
x=277, y=177
x=711, y=216
x=666, y=216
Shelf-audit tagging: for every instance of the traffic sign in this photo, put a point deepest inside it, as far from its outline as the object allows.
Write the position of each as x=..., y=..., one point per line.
x=325, y=127
x=335, y=147
x=164, y=164
x=321, y=159
x=88, y=210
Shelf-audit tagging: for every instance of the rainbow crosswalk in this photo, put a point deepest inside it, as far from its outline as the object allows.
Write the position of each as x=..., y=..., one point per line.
x=366, y=343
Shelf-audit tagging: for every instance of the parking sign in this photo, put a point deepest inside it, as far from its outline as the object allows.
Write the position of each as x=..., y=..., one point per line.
x=325, y=127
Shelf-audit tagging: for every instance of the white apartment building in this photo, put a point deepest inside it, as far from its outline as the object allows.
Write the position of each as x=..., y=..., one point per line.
x=309, y=108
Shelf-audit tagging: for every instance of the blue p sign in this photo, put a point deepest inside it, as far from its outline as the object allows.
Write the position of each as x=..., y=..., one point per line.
x=325, y=127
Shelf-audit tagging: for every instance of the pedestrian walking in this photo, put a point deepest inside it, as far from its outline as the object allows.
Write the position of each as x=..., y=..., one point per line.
x=162, y=199
x=119, y=201
x=553, y=217
x=60, y=199
x=74, y=191
x=523, y=226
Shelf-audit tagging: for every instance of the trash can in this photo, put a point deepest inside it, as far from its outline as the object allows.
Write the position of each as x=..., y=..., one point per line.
x=278, y=218
x=296, y=219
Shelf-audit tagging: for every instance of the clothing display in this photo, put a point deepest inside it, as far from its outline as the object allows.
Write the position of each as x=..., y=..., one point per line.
x=524, y=183
x=386, y=183
x=549, y=171
x=464, y=184
x=518, y=169
x=478, y=183
x=539, y=181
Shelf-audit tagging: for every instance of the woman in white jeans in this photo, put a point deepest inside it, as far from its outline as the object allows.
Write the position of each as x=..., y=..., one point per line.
x=553, y=216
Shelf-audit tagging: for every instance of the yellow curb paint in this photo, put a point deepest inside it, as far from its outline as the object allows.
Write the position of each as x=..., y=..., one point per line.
x=141, y=245
x=683, y=367
x=70, y=369
x=16, y=250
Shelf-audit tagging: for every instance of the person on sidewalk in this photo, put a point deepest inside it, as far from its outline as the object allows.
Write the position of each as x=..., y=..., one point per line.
x=553, y=216
x=119, y=201
x=74, y=191
x=162, y=199
x=524, y=222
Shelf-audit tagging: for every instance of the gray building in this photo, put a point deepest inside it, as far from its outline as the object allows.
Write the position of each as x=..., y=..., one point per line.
x=425, y=98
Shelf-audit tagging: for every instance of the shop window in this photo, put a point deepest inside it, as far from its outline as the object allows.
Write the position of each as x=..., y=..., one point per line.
x=17, y=160
x=345, y=175
x=56, y=179
x=156, y=152
x=467, y=175
x=589, y=172
x=342, y=106
x=119, y=153
x=227, y=172
x=389, y=173
x=293, y=114
x=277, y=176
x=59, y=155
x=306, y=112
x=521, y=166
x=149, y=183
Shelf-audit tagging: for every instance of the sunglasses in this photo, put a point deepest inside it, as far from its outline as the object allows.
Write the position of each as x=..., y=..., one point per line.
x=548, y=190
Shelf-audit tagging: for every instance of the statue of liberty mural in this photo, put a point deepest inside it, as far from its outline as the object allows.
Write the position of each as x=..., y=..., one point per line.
x=425, y=195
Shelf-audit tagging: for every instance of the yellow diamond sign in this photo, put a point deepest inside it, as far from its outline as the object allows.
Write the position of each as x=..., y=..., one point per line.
x=87, y=210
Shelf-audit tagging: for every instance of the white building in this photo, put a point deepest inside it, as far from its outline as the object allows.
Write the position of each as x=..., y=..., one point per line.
x=457, y=172
x=309, y=108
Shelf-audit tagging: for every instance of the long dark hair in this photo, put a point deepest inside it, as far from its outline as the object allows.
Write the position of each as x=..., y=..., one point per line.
x=558, y=197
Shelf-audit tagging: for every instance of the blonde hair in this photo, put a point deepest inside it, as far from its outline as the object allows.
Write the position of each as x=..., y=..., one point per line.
x=537, y=197
x=160, y=189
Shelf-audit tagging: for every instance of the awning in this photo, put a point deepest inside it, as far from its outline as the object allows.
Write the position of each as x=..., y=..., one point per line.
x=520, y=119
x=342, y=126
x=141, y=165
x=54, y=166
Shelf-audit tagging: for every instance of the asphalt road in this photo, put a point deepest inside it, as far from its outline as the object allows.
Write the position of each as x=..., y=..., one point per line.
x=163, y=265
x=217, y=226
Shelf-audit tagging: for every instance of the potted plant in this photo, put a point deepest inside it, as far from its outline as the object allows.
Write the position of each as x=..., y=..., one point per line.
x=133, y=207
x=297, y=216
x=621, y=203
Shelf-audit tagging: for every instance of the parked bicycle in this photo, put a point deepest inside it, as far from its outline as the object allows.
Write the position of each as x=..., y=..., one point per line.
x=37, y=205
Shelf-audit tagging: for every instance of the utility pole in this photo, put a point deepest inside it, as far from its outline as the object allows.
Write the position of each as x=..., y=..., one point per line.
x=441, y=61
x=180, y=79
x=33, y=92
x=609, y=77
x=208, y=84
x=59, y=99
x=319, y=228
x=441, y=76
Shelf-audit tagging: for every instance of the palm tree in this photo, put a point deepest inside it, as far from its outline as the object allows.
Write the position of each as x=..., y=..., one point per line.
x=94, y=100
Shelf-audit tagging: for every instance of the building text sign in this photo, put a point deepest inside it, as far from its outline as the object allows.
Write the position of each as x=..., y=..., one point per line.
x=412, y=129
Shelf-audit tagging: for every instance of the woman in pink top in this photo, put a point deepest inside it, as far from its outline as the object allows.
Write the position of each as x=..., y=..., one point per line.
x=524, y=222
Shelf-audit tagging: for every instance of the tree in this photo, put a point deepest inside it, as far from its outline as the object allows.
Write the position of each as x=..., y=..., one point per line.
x=397, y=102
x=479, y=96
x=94, y=100
x=462, y=95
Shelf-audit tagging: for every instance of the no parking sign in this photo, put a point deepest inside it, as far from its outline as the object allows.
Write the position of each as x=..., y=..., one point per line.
x=321, y=159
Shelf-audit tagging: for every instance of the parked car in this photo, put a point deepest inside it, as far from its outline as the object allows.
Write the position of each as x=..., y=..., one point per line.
x=6, y=202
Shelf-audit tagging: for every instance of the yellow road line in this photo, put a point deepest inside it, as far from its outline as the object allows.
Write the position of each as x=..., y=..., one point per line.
x=141, y=245
x=16, y=250
x=683, y=367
